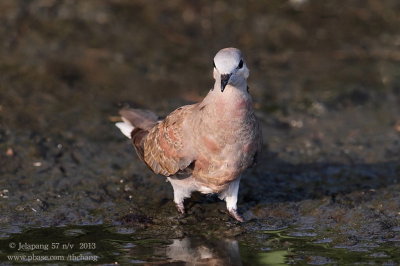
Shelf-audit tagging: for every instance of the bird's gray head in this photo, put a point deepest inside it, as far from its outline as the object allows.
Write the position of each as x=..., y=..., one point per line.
x=230, y=68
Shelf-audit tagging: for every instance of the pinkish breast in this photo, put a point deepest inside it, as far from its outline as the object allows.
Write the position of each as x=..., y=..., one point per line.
x=211, y=145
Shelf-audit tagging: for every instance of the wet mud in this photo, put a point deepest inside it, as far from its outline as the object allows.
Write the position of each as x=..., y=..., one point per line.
x=325, y=78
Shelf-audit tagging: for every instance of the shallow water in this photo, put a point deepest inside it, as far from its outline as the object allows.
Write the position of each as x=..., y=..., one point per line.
x=107, y=245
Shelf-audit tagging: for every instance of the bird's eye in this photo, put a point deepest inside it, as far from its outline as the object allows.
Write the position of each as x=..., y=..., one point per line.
x=240, y=64
x=214, y=64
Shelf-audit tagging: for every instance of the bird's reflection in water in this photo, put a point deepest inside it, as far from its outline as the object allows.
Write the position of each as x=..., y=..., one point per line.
x=198, y=251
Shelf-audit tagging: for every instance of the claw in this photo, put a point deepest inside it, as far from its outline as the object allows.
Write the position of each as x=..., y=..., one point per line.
x=180, y=207
x=236, y=215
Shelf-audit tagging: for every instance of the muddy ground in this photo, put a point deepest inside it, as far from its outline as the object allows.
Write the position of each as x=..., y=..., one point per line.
x=325, y=78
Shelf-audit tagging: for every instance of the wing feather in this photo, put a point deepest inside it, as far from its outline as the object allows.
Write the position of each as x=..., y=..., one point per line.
x=162, y=148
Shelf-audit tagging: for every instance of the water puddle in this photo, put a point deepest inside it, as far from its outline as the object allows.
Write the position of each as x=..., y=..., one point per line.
x=284, y=247
x=110, y=245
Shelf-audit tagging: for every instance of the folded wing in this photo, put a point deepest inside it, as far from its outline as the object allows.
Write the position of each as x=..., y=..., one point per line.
x=160, y=144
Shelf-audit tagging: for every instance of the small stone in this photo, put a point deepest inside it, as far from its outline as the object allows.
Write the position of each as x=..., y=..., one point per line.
x=19, y=208
x=10, y=152
x=296, y=123
x=397, y=127
x=3, y=194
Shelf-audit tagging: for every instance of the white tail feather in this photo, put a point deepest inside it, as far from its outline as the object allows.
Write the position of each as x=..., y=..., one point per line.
x=125, y=127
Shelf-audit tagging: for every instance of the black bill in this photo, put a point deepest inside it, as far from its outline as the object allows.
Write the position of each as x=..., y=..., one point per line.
x=224, y=81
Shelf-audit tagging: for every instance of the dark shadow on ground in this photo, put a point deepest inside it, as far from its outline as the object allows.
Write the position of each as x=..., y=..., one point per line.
x=276, y=180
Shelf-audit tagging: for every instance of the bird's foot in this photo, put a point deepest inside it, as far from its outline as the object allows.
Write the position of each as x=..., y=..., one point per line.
x=180, y=207
x=234, y=213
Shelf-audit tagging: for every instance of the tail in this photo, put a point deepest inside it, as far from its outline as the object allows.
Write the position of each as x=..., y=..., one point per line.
x=125, y=127
x=136, y=118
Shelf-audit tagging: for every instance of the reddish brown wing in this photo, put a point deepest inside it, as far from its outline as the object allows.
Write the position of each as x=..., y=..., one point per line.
x=163, y=149
x=138, y=136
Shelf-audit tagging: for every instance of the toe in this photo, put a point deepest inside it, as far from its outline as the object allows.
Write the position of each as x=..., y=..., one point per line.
x=180, y=208
x=236, y=215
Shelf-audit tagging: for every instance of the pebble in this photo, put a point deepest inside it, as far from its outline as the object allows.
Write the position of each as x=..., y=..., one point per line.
x=10, y=152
